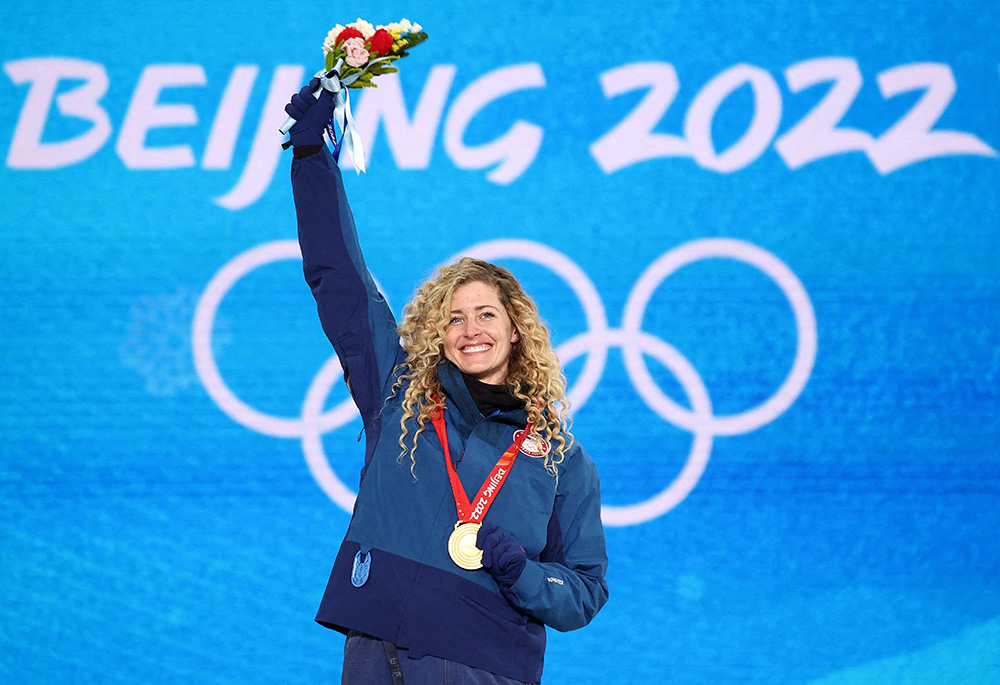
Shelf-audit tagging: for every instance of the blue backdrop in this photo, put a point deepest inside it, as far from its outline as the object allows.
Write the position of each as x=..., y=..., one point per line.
x=765, y=237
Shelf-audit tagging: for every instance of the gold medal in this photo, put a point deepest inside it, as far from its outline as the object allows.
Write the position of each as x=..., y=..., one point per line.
x=462, y=541
x=462, y=546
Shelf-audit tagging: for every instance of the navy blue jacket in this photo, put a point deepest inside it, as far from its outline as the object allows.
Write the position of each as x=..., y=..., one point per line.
x=415, y=596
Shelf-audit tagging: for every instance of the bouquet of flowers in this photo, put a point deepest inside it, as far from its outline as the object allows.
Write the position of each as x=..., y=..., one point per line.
x=368, y=51
x=356, y=54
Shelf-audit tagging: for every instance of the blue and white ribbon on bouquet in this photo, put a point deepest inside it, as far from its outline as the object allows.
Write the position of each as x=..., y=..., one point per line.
x=350, y=138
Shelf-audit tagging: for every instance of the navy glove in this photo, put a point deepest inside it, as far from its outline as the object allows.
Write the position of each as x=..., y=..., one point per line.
x=502, y=555
x=311, y=115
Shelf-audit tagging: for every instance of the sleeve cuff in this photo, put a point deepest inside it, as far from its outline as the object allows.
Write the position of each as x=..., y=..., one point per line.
x=527, y=585
x=301, y=151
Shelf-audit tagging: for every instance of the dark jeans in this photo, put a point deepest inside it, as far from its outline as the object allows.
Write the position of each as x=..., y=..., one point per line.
x=365, y=663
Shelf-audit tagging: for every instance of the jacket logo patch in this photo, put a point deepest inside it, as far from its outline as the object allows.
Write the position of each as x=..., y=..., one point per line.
x=362, y=564
x=532, y=446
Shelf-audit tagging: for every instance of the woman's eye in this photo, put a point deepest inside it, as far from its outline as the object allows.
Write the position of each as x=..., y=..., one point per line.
x=488, y=315
x=456, y=319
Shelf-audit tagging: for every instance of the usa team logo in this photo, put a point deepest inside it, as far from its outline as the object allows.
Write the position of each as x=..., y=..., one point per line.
x=533, y=446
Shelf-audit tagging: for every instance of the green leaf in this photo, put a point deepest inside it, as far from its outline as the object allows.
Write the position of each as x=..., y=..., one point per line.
x=415, y=39
x=380, y=69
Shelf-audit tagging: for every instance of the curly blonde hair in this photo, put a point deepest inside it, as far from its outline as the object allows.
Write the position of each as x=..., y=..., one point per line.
x=533, y=371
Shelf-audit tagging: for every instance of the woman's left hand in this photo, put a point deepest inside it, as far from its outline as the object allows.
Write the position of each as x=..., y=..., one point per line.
x=503, y=557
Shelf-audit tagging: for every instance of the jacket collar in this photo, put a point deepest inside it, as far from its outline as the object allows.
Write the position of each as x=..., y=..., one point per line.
x=462, y=406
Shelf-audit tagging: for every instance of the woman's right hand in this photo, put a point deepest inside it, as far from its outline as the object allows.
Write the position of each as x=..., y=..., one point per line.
x=311, y=114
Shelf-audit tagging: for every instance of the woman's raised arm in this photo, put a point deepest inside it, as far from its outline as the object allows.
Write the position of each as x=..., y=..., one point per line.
x=353, y=312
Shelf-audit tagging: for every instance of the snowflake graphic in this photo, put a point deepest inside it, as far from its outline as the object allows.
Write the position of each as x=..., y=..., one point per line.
x=157, y=344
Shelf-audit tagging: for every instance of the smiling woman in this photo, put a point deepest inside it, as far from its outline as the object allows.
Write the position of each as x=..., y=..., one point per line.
x=480, y=333
x=477, y=316
x=424, y=592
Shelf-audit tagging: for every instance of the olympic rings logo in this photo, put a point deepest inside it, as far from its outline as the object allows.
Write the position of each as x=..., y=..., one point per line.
x=595, y=343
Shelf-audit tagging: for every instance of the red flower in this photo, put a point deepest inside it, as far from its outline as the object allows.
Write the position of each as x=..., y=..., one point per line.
x=381, y=42
x=349, y=32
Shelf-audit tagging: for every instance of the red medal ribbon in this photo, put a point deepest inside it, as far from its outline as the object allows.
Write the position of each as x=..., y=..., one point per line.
x=474, y=511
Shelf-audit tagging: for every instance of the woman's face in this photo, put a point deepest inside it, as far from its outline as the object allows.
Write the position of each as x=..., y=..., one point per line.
x=479, y=333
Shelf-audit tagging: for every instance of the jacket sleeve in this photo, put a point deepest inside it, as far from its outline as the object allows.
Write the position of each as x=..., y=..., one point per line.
x=566, y=588
x=353, y=313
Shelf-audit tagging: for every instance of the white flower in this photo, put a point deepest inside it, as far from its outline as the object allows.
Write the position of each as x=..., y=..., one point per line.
x=403, y=26
x=406, y=26
x=367, y=30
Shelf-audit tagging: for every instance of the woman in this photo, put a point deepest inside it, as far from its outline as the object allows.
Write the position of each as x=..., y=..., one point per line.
x=496, y=471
